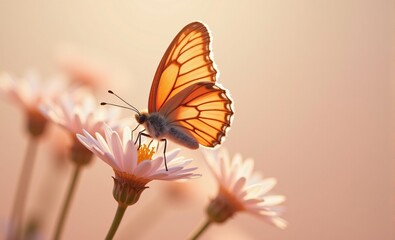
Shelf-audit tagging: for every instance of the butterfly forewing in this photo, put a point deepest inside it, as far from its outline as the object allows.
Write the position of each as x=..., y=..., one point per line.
x=186, y=62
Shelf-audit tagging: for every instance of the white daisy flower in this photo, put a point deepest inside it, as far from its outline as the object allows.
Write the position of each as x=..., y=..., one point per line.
x=242, y=190
x=131, y=163
x=134, y=167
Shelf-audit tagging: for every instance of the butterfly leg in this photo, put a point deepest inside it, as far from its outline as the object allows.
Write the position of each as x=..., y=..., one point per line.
x=141, y=133
x=133, y=131
x=164, y=152
x=139, y=137
x=149, y=144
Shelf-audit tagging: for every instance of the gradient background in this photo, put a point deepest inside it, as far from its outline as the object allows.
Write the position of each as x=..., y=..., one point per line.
x=312, y=86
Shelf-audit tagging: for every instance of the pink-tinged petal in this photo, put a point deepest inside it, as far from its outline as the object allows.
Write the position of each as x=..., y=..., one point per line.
x=65, y=109
x=187, y=170
x=268, y=184
x=85, y=141
x=236, y=163
x=212, y=165
x=273, y=200
x=156, y=164
x=54, y=117
x=178, y=176
x=143, y=169
x=95, y=126
x=223, y=169
x=223, y=154
x=268, y=213
x=231, y=179
x=252, y=203
x=91, y=140
x=179, y=161
x=225, y=164
x=117, y=149
x=255, y=178
x=248, y=167
x=109, y=159
x=126, y=136
x=76, y=127
x=175, y=162
x=238, y=186
x=255, y=190
x=129, y=163
x=98, y=152
x=102, y=143
x=159, y=176
x=279, y=222
x=108, y=132
x=172, y=154
x=171, y=171
x=134, y=155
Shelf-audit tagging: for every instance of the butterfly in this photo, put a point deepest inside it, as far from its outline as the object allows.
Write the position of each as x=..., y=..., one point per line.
x=186, y=104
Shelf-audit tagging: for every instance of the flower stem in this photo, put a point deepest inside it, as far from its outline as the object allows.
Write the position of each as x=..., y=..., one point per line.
x=201, y=229
x=22, y=190
x=117, y=220
x=67, y=202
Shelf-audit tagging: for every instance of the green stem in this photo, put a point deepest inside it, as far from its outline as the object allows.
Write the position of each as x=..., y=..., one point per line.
x=117, y=220
x=66, y=204
x=22, y=190
x=201, y=229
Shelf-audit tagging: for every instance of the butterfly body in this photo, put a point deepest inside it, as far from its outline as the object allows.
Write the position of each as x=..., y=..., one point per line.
x=158, y=128
x=186, y=105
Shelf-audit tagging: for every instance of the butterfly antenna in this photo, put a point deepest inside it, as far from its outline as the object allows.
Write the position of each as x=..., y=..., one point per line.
x=131, y=107
x=116, y=105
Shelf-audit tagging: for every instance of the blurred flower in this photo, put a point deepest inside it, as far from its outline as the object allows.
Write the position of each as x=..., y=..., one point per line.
x=82, y=70
x=28, y=93
x=242, y=190
x=58, y=146
x=74, y=111
x=77, y=110
x=133, y=166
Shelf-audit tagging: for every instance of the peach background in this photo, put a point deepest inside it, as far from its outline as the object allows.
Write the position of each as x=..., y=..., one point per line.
x=312, y=86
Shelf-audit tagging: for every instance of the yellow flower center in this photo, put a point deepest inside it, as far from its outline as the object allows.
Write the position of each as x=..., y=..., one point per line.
x=145, y=153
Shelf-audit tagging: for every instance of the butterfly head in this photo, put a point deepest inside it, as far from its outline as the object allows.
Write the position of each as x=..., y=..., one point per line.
x=141, y=118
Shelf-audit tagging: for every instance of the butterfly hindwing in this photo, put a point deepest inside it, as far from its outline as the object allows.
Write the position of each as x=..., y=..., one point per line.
x=186, y=62
x=203, y=110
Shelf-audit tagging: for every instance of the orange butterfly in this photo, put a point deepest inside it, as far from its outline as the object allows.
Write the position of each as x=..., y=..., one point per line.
x=186, y=105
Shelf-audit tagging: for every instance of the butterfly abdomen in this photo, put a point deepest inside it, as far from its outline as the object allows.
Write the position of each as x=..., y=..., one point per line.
x=158, y=127
x=182, y=138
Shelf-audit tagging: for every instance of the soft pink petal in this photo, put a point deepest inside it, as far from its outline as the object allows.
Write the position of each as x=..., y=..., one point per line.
x=117, y=149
